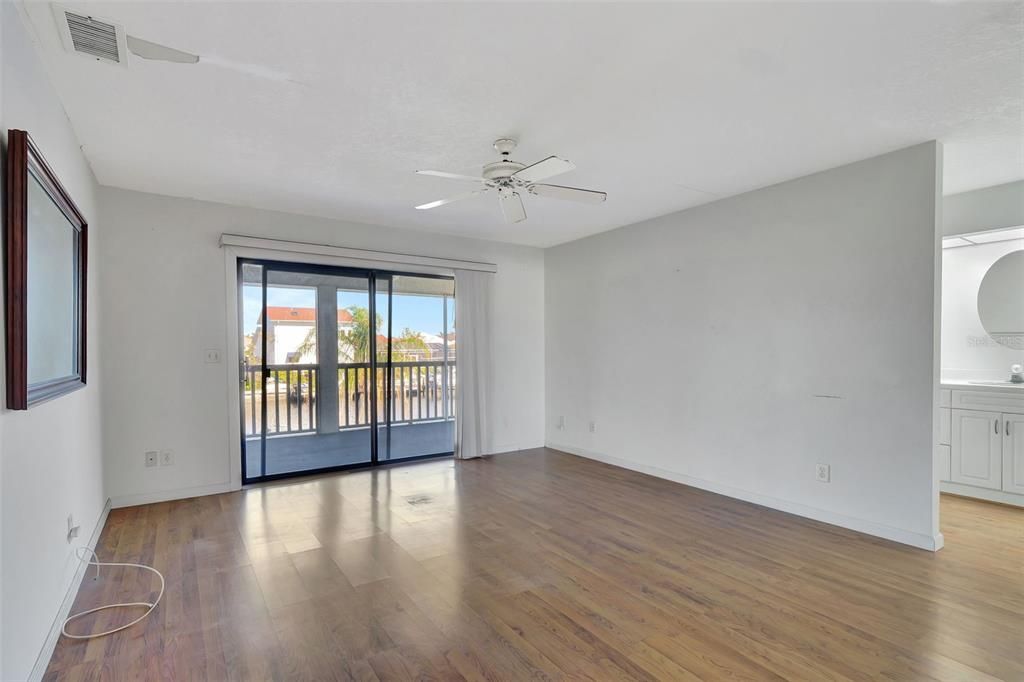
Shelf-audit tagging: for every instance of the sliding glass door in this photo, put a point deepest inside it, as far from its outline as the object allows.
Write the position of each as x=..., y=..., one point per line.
x=342, y=367
x=419, y=417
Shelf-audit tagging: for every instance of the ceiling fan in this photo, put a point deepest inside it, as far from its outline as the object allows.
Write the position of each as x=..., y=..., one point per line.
x=511, y=178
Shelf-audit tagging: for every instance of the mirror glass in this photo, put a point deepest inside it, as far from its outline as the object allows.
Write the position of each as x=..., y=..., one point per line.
x=1001, y=300
x=51, y=292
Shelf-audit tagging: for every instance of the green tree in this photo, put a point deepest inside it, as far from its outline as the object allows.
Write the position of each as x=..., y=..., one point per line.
x=409, y=346
x=357, y=339
x=353, y=346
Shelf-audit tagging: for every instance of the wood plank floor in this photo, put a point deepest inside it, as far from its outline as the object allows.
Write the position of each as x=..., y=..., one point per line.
x=541, y=565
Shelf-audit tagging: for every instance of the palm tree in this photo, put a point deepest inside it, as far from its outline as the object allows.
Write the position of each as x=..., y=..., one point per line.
x=353, y=347
x=356, y=340
x=355, y=344
x=358, y=337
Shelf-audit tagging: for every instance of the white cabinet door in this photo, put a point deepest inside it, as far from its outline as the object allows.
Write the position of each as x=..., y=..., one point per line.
x=976, y=448
x=1013, y=453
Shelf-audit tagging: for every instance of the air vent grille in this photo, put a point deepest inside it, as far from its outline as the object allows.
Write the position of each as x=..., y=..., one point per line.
x=93, y=37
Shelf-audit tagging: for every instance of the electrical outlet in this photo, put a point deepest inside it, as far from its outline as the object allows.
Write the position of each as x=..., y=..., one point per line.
x=72, y=528
x=593, y=427
x=561, y=423
x=151, y=458
x=212, y=356
x=166, y=458
x=822, y=472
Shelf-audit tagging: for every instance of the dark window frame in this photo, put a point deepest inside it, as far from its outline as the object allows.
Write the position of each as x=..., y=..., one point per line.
x=372, y=275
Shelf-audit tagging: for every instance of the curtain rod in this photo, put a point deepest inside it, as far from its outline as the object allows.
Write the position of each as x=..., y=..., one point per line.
x=227, y=239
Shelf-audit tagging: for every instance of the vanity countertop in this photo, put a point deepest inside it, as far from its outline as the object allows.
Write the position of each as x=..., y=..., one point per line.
x=963, y=385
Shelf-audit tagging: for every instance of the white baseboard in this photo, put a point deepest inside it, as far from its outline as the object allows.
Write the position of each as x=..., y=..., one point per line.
x=982, y=493
x=165, y=495
x=43, y=660
x=906, y=537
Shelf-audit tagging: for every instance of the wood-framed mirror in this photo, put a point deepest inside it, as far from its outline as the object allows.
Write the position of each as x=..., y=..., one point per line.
x=45, y=258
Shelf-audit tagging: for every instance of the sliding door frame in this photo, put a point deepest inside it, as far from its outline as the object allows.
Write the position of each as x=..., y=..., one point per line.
x=372, y=276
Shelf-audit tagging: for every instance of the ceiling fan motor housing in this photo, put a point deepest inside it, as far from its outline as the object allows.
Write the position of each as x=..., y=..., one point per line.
x=500, y=170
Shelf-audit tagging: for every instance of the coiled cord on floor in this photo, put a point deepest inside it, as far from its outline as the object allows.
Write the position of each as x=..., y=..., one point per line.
x=97, y=563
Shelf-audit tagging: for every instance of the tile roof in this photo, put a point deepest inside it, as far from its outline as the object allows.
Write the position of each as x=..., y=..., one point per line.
x=278, y=313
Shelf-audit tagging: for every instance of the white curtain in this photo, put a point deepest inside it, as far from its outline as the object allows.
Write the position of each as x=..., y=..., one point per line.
x=473, y=353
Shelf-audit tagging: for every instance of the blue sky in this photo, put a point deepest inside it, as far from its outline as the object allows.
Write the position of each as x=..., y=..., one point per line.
x=419, y=313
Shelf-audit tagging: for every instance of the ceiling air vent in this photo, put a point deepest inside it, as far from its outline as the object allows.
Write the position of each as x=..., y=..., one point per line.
x=91, y=37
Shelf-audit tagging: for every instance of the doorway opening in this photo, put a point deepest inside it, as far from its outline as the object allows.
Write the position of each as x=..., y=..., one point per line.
x=343, y=367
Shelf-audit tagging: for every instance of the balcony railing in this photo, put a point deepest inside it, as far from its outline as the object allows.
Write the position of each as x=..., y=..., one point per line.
x=422, y=390
x=291, y=399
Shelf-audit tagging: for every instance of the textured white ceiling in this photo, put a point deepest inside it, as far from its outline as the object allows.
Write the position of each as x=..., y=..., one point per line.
x=663, y=106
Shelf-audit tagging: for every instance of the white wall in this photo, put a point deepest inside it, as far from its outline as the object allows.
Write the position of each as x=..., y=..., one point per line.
x=968, y=353
x=734, y=345
x=285, y=337
x=990, y=208
x=164, y=282
x=51, y=454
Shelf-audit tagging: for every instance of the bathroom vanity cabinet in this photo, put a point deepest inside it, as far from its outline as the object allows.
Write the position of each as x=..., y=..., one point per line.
x=981, y=442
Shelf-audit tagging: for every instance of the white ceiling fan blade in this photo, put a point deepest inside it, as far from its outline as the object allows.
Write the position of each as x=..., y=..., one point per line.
x=161, y=53
x=450, y=176
x=584, y=196
x=457, y=197
x=512, y=207
x=542, y=170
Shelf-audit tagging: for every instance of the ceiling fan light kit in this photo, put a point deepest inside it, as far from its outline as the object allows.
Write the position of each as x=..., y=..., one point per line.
x=511, y=179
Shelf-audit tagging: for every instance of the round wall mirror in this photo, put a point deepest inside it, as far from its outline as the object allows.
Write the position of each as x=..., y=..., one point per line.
x=1001, y=300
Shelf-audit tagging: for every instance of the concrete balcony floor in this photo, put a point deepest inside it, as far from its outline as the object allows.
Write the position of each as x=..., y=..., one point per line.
x=309, y=451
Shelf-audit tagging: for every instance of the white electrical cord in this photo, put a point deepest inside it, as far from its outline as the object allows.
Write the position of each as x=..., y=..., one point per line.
x=97, y=563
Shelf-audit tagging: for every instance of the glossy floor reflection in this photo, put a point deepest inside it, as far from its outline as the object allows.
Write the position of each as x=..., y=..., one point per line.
x=543, y=565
